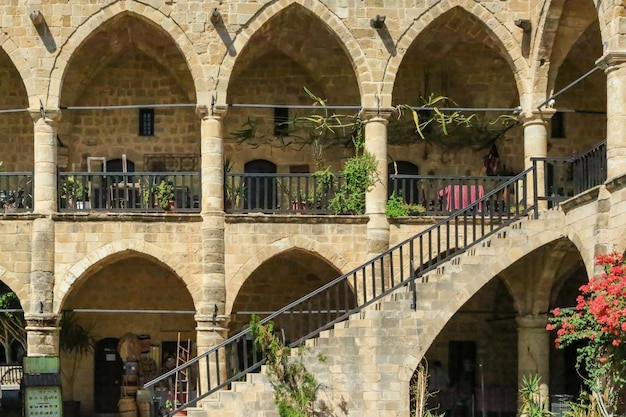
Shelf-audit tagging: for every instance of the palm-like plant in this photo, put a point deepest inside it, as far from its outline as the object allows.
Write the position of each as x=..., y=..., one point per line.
x=76, y=341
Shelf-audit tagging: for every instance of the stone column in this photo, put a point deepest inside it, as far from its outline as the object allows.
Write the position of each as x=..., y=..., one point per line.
x=41, y=323
x=614, y=64
x=212, y=324
x=376, y=198
x=536, y=145
x=533, y=350
x=45, y=161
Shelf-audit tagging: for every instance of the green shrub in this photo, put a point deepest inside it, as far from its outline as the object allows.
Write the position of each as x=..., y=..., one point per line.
x=396, y=207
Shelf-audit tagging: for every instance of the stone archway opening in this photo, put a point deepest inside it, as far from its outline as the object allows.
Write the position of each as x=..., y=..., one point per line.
x=129, y=61
x=472, y=350
x=283, y=279
x=580, y=118
x=129, y=293
x=16, y=146
x=12, y=329
x=279, y=61
x=448, y=59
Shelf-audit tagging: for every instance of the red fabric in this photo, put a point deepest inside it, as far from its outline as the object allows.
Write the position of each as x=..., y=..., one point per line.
x=460, y=196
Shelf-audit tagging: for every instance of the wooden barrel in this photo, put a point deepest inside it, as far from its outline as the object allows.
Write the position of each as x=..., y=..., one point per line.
x=127, y=407
x=130, y=379
x=129, y=390
x=144, y=409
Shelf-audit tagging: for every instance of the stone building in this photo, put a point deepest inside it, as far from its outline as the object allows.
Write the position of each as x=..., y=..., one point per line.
x=103, y=99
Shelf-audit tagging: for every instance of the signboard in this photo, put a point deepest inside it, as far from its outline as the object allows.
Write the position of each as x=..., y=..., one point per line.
x=43, y=402
x=41, y=386
x=41, y=365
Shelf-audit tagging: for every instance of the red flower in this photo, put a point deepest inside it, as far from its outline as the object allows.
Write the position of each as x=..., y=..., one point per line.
x=550, y=326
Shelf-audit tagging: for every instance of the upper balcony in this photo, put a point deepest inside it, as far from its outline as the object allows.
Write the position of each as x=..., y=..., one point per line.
x=294, y=194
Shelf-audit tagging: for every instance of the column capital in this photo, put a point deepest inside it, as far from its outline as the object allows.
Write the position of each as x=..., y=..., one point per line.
x=532, y=321
x=42, y=321
x=204, y=111
x=206, y=322
x=611, y=59
x=536, y=116
x=368, y=113
x=49, y=116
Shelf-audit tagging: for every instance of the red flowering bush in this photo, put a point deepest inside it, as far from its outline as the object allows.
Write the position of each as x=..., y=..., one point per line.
x=598, y=320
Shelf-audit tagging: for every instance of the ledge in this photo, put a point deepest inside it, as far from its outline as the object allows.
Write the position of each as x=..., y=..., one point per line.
x=581, y=199
x=128, y=217
x=295, y=219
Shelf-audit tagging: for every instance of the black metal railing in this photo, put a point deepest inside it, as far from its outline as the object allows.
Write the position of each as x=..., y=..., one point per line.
x=442, y=195
x=16, y=191
x=565, y=177
x=132, y=191
x=350, y=293
x=279, y=193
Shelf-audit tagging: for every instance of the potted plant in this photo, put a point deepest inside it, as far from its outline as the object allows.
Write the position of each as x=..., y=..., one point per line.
x=164, y=192
x=75, y=341
x=73, y=191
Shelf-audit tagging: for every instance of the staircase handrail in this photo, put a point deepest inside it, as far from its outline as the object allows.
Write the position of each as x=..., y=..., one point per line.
x=481, y=207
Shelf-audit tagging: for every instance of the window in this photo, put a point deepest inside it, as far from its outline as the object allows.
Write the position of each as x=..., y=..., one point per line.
x=146, y=122
x=281, y=117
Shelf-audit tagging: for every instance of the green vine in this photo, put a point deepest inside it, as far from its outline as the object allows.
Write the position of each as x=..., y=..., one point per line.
x=295, y=388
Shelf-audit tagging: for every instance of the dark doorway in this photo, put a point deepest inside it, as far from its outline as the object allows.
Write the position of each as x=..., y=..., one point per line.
x=108, y=370
x=407, y=188
x=260, y=190
x=462, y=367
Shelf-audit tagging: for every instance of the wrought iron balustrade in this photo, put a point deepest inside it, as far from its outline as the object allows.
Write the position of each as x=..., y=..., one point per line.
x=279, y=193
x=16, y=191
x=442, y=195
x=565, y=177
x=131, y=191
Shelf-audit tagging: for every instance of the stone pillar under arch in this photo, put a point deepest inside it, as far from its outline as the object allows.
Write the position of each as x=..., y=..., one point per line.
x=536, y=145
x=533, y=351
x=614, y=64
x=45, y=161
x=376, y=122
x=41, y=324
x=212, y=325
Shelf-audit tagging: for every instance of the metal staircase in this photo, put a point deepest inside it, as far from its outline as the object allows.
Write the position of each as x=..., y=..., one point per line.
x=400, y=266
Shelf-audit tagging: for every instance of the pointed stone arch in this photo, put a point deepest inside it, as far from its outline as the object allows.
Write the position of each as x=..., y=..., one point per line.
x=465, y=284
x=323, y=251
x=21, y=65
x=354, y=53
x=508, y=46
x=20, y=288
x=141, y=11
x=544, y=45
x=76, y=271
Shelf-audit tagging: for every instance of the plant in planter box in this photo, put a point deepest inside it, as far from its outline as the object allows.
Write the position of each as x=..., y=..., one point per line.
x=164, y=192
x=73, y=191
x=396, y=207
x=75, y=341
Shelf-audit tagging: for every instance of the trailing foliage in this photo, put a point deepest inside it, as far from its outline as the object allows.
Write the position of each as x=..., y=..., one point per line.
x=295, y=388
x=360, y=175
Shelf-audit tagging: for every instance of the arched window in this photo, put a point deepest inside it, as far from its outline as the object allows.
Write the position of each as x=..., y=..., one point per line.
x=401, y=183
x=260, y=191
